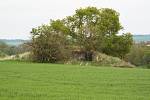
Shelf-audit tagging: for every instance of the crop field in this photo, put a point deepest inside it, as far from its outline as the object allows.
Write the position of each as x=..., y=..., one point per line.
x=29, y=81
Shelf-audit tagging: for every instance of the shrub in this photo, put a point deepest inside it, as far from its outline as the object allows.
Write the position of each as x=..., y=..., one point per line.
x=103, y=59
x=2, y=54
x=50, y=49
x=146, y=58
x=139, y=55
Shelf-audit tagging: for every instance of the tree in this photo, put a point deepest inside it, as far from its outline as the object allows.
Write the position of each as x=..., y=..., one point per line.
x=96, y=30
x=90, y=29
x=82, y=27
x=48, y=42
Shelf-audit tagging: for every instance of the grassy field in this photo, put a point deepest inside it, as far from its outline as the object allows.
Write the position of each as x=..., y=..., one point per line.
x=27, y=81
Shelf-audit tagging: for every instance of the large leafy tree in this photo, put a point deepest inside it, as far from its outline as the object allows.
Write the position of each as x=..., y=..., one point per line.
x=97, y=30
x=90, y=28
x=82, y=27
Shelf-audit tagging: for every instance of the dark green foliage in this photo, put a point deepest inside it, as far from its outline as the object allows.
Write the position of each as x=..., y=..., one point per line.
x=2, y=54
x=146, y=58
x=139, y=55
x=118, y=46
x=2, y=48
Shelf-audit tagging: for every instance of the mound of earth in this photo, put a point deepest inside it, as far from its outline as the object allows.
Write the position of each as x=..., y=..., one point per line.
x=100, y=59
x=103, y=59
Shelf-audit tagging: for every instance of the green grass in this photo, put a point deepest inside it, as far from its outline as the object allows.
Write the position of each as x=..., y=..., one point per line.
x=28, y=81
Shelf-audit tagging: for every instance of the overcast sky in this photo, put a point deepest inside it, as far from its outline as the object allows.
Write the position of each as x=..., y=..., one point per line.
x=18, y=17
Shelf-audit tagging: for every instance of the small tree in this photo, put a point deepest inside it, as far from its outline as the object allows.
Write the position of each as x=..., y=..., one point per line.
x=48, y=43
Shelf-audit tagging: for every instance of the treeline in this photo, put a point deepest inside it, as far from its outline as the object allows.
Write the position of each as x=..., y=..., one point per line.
x=89, y=30
x=8, y=50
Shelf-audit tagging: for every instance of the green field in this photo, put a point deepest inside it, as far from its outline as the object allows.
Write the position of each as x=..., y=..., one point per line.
x=27, y=81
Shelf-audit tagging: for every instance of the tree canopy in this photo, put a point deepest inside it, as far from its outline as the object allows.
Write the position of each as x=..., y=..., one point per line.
x=89, y=28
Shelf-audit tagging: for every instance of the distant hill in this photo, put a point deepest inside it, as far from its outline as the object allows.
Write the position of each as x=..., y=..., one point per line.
x=14, y=42
x=141, y=38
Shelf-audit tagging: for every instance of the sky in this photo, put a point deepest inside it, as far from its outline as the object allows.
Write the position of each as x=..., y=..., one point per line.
x=18, y=17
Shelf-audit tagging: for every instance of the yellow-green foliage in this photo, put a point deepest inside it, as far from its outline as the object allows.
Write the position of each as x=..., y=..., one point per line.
x=100, y=59
x=2, y=54
x=103, y=59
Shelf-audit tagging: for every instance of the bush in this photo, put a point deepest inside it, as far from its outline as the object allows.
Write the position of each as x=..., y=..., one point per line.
x=139, y=55
x=2, y=54
x=50, y=49
x=146, y=58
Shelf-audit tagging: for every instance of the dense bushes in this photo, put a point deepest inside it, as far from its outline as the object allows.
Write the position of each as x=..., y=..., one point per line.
x=49, y=47
x=139, y=55
x=146, y=59
x=118, y=46
x=3, y=47
x=2, y=54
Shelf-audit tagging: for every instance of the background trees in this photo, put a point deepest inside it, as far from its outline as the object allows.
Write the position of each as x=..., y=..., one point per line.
x=8, y=50
x=90, y=28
